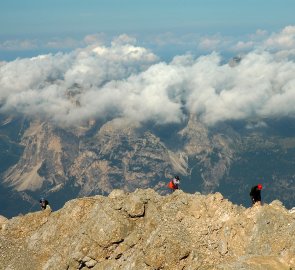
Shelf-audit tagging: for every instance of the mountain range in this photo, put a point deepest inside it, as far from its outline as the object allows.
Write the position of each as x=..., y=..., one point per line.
x=42, y=159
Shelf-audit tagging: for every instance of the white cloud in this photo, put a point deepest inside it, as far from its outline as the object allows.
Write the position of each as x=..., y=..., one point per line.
x=58, y=43
x=98, y=38
x=210, y=43
x=125, y=80
x=261, y=32
x=33, y=44
x=123, y=40
x=242, y=45
x=18, y=45
x=282, y=40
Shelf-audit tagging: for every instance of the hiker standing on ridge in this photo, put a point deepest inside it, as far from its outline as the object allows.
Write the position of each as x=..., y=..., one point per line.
x=44, y=204
x=255, y=194
x=174, y=183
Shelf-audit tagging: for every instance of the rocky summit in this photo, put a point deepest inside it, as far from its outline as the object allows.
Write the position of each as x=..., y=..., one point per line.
x=144, y=230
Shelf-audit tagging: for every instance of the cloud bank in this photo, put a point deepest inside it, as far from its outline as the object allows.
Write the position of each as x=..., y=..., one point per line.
x=126, y=80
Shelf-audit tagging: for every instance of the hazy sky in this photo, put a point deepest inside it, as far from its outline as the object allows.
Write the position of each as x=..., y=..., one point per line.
x=51, y=17
x=50, y=25
x=70, y=61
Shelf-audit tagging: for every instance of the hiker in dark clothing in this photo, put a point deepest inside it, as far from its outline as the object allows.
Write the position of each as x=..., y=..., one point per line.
x=44, y=203
x=255, y=194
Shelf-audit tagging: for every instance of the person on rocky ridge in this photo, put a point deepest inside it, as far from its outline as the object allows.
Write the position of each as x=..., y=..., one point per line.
x=174, y=183
x=44, y=204
x=255, y=194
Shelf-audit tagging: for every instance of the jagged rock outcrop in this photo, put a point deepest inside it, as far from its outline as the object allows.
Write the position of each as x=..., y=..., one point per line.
x=143, y=230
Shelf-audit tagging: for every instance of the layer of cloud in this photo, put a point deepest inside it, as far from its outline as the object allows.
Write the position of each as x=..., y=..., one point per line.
x=126, y=80
x=282, y=40
x=18, y=45
x=22, y=45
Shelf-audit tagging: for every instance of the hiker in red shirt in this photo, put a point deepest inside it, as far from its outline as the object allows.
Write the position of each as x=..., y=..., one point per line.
x=174, y=183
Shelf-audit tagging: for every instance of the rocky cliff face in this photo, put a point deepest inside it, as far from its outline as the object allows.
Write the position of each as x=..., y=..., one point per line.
x=98, y=158
x=62, y=163
x=48, y=153
x=144, y=230
x=118, y=156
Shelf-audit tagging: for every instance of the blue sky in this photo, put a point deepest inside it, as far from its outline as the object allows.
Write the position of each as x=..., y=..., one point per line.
x=32, y=23
x=51, y=17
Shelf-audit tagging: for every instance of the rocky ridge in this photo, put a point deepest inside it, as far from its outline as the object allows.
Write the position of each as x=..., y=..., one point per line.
x=144, y=230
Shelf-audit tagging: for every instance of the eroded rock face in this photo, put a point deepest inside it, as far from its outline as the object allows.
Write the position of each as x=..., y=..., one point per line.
x=143, y=230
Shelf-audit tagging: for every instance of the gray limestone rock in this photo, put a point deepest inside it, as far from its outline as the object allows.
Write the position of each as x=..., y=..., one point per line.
x=149, y=231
